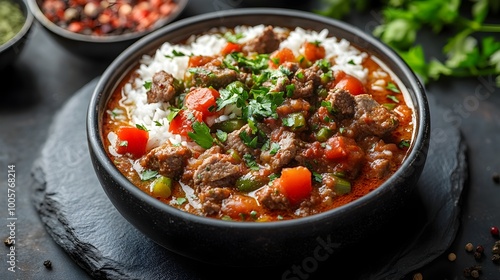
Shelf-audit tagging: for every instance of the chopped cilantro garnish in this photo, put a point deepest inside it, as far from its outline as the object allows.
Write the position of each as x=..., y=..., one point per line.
x=221, y=135
x=404, y=144
x=173, y=113
x=317, y=177
x=249, y=141
x=233, y=37
x=393, y=98
x=175, y=53
x=180, y=200
x=141, y=127
x=250, y=162
x=147, y=85
x=148, y=175
x=201, y=135
x=157, y=123
x=275, y=147
x=392, y=87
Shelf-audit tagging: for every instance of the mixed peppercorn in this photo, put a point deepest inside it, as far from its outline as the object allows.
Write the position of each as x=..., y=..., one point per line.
x=106, y=17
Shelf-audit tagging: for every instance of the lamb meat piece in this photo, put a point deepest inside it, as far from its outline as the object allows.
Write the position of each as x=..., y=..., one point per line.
x=371, y=118
x=271, y=198
x=288, y=147
x=235, y=143
x=167, y=159
x=267, y=42
x=343, y=103
x=211, y=199
x=164, y=87
x=210, y=75
x=306, y=81
x=217, y=170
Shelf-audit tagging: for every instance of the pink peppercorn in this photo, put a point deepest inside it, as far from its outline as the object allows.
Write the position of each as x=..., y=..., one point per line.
x=494, y=231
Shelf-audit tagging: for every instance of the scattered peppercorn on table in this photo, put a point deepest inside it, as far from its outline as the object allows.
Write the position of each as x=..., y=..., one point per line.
x=46, y=76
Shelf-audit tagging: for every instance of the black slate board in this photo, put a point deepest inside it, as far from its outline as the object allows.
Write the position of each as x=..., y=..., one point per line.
x=81, y=219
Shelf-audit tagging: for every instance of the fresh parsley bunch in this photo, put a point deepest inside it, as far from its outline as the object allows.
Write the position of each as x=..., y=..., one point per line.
x=472, y=48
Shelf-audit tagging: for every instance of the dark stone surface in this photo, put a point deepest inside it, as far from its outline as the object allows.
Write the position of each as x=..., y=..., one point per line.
x=81, y=219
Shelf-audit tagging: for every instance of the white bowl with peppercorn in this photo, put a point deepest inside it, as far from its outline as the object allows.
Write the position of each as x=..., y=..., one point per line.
x=101, y=29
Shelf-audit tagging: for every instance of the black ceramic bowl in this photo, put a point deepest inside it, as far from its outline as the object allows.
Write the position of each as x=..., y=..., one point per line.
x=247, y=243
x=97, y=47
x=11, y=49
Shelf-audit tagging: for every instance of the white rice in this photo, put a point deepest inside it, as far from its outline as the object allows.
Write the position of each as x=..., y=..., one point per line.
x=347, y=59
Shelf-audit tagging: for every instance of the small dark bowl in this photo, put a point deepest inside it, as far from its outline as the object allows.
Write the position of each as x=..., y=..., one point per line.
x=12, y=48
x=97, y=47
x=246, y=243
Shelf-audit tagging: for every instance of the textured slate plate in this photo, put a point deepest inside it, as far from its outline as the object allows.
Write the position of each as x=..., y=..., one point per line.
x=81, y=219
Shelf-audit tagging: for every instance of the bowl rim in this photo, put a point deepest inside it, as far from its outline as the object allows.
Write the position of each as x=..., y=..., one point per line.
x=421, y=136
x=28, y=22
x=62, y=32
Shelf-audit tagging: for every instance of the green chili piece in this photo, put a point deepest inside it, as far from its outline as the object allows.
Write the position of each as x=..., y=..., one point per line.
x=295, y=121
x=323, y=134
x=342, y=186
x=161, y=187
x=230, y=125
x=248, y=183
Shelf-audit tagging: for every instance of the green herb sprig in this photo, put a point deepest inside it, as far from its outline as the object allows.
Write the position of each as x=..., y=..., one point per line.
x=469, y=51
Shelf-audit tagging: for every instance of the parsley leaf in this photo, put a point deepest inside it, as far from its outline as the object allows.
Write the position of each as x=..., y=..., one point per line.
x=147, y=85
x=250, y=162
x=201, y=135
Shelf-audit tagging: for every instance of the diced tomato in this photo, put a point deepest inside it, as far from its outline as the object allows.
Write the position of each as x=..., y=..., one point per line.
x=202, y=100
x=295, y=183
x=351, y=84
x=183, y=121
x=281, y=56
x=313, y=51
x=132, y=140
x=336, y=148
x=230, y=48
x=199, y=60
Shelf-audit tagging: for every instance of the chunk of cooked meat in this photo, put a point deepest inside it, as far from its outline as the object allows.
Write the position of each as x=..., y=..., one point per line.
x=372, y=118
x=218, y=170
x=285, y=150
x=212, y=76
x=271, y=198
x=267, y=42
x=211, y=199
x=164, y=87
x=235, y=143
x=167, y=159
x=343, y=103
x=306, y=81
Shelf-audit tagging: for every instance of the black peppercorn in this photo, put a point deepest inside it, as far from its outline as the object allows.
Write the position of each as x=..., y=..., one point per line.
x=480, y=249
x=496, y=178
x=478, y=255
x=47, y=264
x=467, y=271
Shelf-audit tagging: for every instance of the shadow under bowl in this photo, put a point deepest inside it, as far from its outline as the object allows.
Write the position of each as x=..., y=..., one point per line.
x=247, y=243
